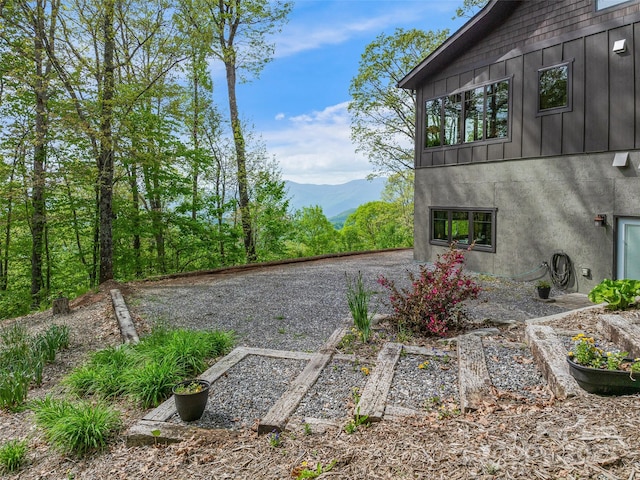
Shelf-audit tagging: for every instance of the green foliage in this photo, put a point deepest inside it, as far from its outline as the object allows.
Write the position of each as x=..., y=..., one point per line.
x=146, y=372
x=313, y=233
x=383, y=115
x=151, y=383
x=77, y=428
x=22, y=359
x=618, y=294
x=434, y=303
x=315, y=473
x=13, y=454
x=358, y=297
x=104, y=374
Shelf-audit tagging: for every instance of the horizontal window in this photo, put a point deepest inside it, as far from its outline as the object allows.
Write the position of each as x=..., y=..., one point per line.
x=468, y=116
x=463, y=227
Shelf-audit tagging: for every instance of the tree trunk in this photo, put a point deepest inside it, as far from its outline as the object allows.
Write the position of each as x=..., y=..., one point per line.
x=105, y=161
x=4, y=248
x=38, y=216
x=135, y=200
x=238, y=139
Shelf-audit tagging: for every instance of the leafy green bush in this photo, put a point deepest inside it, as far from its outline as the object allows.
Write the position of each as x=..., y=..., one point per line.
x=12, y=455
x=618, y=294
x=76, y=427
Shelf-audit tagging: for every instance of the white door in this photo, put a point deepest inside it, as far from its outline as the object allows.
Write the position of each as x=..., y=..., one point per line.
x=628, y=248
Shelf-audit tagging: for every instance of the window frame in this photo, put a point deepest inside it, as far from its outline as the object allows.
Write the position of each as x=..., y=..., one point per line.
x=463, y=119
x=470, y=211
x=563, y=108
x=616, y=3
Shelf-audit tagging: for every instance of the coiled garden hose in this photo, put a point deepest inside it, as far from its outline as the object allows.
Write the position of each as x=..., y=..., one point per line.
x=560, y=269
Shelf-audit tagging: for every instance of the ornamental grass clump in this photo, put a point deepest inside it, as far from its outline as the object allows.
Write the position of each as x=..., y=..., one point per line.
x=12, y=455
x=434, y=303
x=79, y=427
x=358, y=297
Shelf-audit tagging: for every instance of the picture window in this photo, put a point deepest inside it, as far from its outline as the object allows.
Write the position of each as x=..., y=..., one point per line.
x=468, y=116
x=463, y=227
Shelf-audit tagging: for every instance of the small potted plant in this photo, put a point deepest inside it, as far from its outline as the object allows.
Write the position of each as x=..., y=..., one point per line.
x=605, y=373
x=544, y=288
x=191, y=398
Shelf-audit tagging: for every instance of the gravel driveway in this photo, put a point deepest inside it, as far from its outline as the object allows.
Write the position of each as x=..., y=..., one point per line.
x=298, y=306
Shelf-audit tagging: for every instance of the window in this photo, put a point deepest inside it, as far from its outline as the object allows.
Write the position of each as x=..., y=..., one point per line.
x=433, y=123
x=553, y=89
x=497, y=116
x=600, y=4
x=452, y=119
x=463, y=226
x=468, y=116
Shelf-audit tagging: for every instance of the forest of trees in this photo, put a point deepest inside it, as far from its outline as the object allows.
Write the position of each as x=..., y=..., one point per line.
x=115, y=163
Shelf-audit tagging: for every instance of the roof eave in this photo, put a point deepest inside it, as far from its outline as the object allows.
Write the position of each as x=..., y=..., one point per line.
x=493, y=13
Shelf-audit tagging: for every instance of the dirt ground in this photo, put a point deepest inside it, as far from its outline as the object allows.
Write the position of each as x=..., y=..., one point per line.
x=588, y=437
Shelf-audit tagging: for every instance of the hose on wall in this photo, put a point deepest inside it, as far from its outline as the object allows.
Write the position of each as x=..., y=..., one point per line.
x=560, y=269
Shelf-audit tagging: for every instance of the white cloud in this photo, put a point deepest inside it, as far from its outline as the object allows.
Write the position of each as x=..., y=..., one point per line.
x=342, y=20
x=316, y=147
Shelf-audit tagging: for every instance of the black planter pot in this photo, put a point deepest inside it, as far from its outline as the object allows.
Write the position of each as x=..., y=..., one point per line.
x=604, y=382
x=190, y=406
x=543, y=292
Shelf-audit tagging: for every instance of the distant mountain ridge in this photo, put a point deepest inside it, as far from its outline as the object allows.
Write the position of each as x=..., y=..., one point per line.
x=334, y=199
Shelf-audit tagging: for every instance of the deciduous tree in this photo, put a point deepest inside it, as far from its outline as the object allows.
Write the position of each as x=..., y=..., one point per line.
x=383, y=116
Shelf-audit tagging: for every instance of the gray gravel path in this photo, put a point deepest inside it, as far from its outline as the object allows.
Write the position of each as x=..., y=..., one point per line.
x=298, y=306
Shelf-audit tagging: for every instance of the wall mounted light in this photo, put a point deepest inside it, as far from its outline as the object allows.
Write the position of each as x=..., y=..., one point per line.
x=620, y=46
x=600, y=220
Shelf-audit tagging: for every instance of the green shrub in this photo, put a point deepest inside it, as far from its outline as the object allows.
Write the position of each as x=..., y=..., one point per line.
x=434, y=302
x=12, y=455
x=77, y=428
x=618, y=294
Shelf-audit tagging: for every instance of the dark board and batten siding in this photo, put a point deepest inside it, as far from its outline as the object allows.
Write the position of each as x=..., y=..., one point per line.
x=604, y=93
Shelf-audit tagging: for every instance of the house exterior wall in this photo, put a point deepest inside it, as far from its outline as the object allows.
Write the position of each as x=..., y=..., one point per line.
x=538, y=35
x=553, y=173
x=544, y=206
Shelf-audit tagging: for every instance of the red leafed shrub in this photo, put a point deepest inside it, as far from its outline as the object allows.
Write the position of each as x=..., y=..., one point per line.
x=433, y=303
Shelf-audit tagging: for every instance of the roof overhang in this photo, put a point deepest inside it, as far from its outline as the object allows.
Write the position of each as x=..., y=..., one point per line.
x=468, y=35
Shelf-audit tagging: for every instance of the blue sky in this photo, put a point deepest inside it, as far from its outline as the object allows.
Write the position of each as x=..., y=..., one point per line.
x=298, y=106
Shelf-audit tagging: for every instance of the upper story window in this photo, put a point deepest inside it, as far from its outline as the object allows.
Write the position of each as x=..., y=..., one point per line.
x=468, y=116
x=601, y=4
x=554, y=85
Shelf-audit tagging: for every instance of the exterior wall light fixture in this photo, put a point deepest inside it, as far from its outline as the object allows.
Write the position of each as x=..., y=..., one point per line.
x=600, y=220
